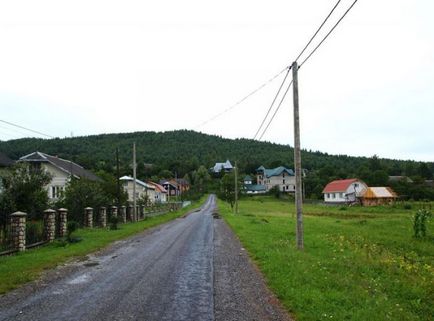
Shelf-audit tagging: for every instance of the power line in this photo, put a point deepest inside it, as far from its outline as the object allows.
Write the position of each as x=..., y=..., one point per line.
x=318, y=30
x=277, y=109
x=272, y=104
x=242, y=100
x=30, y=130
x=326, y=36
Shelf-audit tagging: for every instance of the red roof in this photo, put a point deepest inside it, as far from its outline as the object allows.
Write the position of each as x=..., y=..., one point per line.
x=339, y=185
x=160, y=188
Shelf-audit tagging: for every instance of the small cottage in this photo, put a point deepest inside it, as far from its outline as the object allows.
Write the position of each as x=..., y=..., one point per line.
x=344, y=191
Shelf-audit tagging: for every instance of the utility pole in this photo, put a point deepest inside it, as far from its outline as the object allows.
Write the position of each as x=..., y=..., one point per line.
x=118, y=188
x=297, y=159
x=134, y=185
x=236, y=188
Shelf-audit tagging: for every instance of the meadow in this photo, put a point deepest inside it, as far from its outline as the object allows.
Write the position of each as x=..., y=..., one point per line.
x=359, y=263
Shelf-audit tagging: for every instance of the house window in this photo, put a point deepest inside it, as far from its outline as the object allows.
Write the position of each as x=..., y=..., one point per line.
x=333, y=195
x=356, y=185
x=284, y=181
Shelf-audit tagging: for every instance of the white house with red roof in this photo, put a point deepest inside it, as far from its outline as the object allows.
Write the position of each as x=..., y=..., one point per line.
x=344, y=191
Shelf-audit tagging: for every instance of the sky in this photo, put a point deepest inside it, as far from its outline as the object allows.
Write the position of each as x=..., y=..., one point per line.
x=72, y=68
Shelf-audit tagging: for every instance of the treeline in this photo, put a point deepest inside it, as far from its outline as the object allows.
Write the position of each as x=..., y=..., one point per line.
x=166, y=154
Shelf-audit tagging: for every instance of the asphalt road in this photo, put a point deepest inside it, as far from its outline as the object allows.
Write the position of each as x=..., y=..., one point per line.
x=164, y=274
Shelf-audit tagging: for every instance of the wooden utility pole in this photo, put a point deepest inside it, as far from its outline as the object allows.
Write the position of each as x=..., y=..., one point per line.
x=134, y=185
x=118, y=187
x=236, y=188
x=297, y=159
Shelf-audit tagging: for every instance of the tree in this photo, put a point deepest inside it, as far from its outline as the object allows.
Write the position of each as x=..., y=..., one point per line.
x=81, y=193
x=227, y=188
x=23, y=190
x=201, y=178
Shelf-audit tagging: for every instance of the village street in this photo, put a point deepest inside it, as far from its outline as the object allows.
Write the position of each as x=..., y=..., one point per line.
x=192, y=268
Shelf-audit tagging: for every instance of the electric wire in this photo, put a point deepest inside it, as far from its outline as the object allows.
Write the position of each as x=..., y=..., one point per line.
x=326, y=36
x=272, y=103
x=242, y=100
x=318, y=30
x=277, y=109
x=30, y=130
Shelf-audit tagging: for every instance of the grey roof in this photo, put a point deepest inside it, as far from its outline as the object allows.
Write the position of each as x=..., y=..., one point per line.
x=247, y=178
x=64, y=165
x=138, y=181
x=219, y=166
x=400, y=179
x=5, y=160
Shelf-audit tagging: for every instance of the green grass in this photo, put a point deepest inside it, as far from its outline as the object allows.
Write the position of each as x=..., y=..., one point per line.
x=26, y=266
x=358, y=263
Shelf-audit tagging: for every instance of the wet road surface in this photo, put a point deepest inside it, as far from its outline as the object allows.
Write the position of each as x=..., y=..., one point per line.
x=191, y=269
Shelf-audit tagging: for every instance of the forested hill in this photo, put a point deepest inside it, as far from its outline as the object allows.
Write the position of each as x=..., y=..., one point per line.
x=183, y=151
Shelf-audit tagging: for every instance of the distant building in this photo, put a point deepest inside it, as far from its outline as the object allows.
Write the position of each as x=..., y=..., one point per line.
x=219, y=167
x=175, y=187
x=344, y=191
x=250, y=188
x=395, y=179
x=160, y=193
x=60, y=169
x=142, y=189
x=5, y=161
x=378, y=196
x=281, y=177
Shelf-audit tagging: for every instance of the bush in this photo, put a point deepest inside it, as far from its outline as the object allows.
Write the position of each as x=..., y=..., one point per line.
x=71, y=227
x=114, y=220
x=407, y=206
x=419, y=223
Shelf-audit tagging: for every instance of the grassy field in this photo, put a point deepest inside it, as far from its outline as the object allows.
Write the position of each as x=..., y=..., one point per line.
x=23, y=267
x=358, y=263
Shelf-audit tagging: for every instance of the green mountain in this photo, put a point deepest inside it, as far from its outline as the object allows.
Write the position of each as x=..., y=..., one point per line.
x=183, y=151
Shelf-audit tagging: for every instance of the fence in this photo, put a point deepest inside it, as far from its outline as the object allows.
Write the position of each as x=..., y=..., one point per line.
x=19, y=234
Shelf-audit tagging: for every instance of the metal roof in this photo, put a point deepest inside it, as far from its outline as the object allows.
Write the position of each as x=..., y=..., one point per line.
x=379, y=192
x=340, y=185
x=138, y=181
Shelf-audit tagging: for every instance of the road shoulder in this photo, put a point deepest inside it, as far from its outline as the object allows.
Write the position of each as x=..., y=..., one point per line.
x=240, y=291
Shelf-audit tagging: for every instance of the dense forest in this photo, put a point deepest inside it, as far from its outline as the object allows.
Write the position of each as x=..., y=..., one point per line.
x=183, y=151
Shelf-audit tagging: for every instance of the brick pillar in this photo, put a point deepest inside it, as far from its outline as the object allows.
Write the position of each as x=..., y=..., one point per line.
x=49, y=225
x=130, y=212
x=63, y=220
x=114, y=211
x=18, y=230
x=88, y=217
x=102, y=217
x=123, y=214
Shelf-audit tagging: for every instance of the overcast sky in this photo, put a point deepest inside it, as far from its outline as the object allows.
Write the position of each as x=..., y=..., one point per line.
x=88, y=67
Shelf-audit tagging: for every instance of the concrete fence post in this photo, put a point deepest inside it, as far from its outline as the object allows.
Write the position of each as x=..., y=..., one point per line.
x=130, y=212
x=49, y=225
x=123, y=214
x=88, y=217
x=102, y=217
x=63, y=220
x=114, y=211
x=18, y=230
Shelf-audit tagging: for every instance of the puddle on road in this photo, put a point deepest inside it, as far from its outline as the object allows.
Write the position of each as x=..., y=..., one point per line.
x=79, y=279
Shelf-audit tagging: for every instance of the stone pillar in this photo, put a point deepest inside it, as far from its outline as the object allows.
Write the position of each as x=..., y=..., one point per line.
x=88, y=217
x=49, y=225
x=123, y=214
x=63, y=220
x=18, y=230
x=130, y=213
x=102, y=217
x=114, y=211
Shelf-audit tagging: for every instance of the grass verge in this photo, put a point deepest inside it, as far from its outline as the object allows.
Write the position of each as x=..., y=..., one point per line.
x=26, y=266
x=358, y=263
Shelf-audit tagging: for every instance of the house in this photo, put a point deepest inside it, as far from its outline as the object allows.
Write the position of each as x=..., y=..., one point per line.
x=280, y=176
x=219, y=167
x=378, y=196
x=60, y=170
x=171, y=186
x=143, y=189
x=160, y=193
x=344, y=191
x=396, y=179
x=250, y=188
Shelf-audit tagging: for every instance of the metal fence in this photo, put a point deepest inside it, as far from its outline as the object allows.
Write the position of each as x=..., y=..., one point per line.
x=5, y=239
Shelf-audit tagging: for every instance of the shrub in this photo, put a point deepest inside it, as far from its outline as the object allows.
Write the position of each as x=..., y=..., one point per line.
x=114, y=220
x=407, y=206
x=419, y=222
x=71, y=227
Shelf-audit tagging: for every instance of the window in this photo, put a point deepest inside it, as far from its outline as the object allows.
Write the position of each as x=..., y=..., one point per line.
x=356, y=185
x=333, y=195
x=284, y=182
